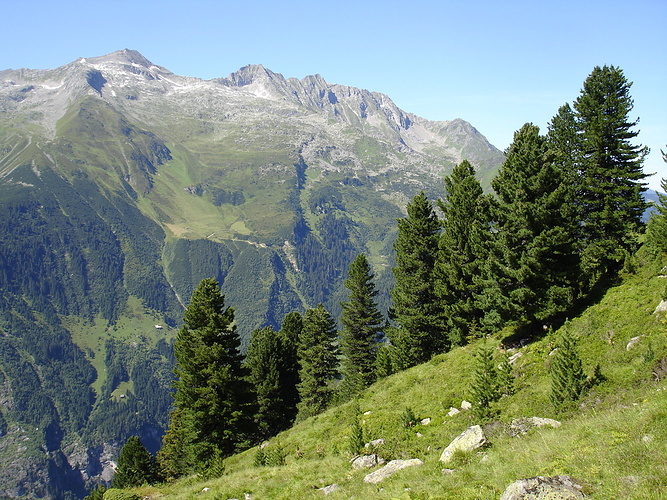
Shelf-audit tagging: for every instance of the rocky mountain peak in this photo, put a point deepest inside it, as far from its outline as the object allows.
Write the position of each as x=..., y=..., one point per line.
x=125, y=56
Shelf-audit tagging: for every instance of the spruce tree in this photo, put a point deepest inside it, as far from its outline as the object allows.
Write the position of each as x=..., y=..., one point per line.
x=213, y=400
x=318, y=360
x=485, y=385
x=462, y=251
x=135, y=466
x=267, y=361
x=656, y=230
x=362, y=324
x=538, y=268
x=610, y=172
x=567, y=376
x=290, y=332
x=416, y=306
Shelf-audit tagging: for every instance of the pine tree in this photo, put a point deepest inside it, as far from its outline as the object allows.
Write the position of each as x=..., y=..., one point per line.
x=318, y=360
x=416, y=307
x=537, y=221
x=266, y=361
x=362, y=324
x=567, y=375
x=610, y=172
x=135, y=467
x=213, y=400
x=485, y=386
x=463, y=249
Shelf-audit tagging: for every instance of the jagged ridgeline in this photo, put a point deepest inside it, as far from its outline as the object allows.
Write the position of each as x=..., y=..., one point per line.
x=123, y=185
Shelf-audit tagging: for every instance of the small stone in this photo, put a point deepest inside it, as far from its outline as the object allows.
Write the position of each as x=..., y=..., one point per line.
x=366, y=461
x=465, y=405
x=375, y=443
x=448, y=471
x=662, y=307
x=453, y=411
x=425, y=421
x=329, y=489
x=514, y=357
x=632, y=342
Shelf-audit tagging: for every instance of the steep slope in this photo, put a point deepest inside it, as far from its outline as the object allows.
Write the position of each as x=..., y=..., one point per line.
x=612, y=442
x=122, y=185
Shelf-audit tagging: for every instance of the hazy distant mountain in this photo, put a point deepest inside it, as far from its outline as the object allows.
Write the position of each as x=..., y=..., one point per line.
x=122, y=185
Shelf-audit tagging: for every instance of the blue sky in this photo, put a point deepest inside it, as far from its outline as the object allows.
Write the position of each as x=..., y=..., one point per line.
x=495, y=64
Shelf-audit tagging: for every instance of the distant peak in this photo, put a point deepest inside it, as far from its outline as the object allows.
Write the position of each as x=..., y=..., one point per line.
x=125, y=56
x=249, y=74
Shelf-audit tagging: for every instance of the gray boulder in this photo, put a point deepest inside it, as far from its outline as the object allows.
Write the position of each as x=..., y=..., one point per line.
x=390, y=469
x=327, y=490
x=544, y=488
x=366, y=461
x=523, y=425
x=469, y=440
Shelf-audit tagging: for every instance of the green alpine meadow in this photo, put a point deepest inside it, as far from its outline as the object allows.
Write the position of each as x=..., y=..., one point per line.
x=265, y=287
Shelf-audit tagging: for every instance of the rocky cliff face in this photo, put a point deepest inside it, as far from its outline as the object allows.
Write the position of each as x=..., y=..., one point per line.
x=122, y=185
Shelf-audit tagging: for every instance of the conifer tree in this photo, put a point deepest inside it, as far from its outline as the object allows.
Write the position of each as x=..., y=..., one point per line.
x=657, y=224
x=135, y=466
x=567, y=375
x=463, y=249
x=485, y=385
x=610, y=172
x=213, y=400
x=362, y=324
x=564, y=142
x=318, y=360
x=267, y=361
x=538, y=269
x=416, y=307
x=290, y=332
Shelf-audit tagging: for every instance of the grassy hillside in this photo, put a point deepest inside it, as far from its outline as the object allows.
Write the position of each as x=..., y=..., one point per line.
x=614, y=442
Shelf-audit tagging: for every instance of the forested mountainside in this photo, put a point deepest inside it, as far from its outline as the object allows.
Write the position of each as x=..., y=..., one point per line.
x=123, y=185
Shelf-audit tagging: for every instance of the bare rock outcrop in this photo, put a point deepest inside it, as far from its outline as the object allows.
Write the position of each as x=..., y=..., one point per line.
x=544, y=488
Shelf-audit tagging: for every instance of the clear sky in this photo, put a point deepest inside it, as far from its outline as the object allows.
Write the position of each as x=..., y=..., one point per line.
x=496, y=64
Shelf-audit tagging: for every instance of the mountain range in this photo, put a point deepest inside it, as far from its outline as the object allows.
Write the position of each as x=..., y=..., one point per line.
x=122, y=185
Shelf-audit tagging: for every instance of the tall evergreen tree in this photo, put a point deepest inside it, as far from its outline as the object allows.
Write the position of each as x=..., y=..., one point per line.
x=213, y=400
x=290, y=332
x=463, y=249
x=564, y=143
x=657, y=224
x=267, y=361
x=610, y=171
x=362, y=323
x=135, y=466
x=416, y=306
x=536, y=226
x=318, y=360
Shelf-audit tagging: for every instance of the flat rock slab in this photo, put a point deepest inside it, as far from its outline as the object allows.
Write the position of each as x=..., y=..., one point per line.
x=523, y=425
x=391, y=468
x=544, y=488
x=469, y=440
